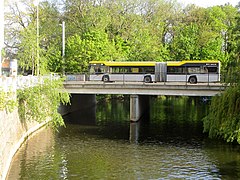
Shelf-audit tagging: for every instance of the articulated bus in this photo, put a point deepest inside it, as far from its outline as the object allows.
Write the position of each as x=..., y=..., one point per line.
x=178, y=71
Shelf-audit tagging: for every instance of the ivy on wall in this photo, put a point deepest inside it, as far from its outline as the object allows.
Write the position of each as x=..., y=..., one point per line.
x=41, y=102
x=7, y=101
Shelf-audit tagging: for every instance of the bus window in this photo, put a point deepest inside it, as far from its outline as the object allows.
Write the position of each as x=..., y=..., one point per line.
x=175, y=70
x=124, y=69
x=119, y=70
x=150, y=70
x=92, y=70
x=212, y=69
x=98, y=70
x=204, y=70
x=194, y=70
x=134, y=70
x=115, y=70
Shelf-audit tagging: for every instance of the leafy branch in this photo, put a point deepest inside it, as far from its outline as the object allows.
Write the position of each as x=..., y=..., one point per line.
x=7, y=101
x=41, y=102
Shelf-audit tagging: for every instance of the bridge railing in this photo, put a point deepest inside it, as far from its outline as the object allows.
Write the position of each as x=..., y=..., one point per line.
x=21, y=82
x=122, y=78
x=77, y=77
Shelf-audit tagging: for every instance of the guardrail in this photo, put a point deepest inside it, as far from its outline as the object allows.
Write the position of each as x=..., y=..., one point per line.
x=186, y=78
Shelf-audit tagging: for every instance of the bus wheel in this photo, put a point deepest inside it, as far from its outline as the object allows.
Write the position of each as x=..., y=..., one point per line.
x=147, y=79
x=193, y=80
x=105, y=78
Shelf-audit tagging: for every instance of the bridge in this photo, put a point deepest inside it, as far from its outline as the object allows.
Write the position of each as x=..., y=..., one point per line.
x=140, y=88
x=139, y=91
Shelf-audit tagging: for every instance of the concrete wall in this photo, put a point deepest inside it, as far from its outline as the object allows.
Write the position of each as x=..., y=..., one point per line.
x=139, y=105
x=13, y=133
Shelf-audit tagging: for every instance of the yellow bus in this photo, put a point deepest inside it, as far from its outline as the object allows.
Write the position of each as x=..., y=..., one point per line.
x=191, y=71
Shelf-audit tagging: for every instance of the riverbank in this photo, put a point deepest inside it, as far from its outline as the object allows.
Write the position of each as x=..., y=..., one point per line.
x=13, y=133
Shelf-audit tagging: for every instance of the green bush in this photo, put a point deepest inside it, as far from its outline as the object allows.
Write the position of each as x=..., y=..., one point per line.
x=41, y=102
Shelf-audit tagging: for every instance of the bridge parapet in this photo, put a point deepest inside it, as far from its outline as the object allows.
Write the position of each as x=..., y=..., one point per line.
x=139, y=88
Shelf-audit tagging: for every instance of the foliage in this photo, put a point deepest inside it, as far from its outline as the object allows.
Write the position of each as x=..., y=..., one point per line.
x=21, y=36
x=148, y=30
x=28, y=49
x=7, y=101
x=223, y=120
x=42, y=101
x=93, y=45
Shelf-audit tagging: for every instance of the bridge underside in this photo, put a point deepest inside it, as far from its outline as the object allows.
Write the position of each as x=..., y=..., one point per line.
x=82, y=106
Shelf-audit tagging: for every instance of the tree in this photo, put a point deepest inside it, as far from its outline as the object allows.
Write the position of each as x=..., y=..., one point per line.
x=22, y=37
x=93, y=45
x=185, y=45
x=27, y=49
x=223, y=120
x=154, y=30
x=21, y=34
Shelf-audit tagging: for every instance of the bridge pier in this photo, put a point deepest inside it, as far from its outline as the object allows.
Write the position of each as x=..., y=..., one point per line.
x=139, y=105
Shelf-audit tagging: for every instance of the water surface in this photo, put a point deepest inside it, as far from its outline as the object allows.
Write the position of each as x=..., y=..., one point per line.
x=167, y=144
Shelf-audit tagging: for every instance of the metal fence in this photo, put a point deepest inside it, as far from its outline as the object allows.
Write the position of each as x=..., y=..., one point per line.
x=185, y=78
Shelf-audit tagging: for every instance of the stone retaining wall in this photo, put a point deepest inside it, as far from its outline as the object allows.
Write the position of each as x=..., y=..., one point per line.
x=13, y=133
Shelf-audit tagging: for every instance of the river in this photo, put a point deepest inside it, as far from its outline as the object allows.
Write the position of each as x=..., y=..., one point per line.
x=167, y=144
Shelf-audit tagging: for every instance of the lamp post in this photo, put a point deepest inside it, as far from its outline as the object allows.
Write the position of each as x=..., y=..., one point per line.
x=63, y=46
x=36, y=3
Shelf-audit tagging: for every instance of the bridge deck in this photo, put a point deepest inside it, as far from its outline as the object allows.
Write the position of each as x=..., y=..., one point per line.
x=140, y=88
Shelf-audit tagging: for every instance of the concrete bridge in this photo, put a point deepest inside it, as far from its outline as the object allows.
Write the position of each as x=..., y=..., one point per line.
x=140, y=88
x=139, y=92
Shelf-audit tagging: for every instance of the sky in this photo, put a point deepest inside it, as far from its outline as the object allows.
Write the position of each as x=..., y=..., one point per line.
x=208, y=3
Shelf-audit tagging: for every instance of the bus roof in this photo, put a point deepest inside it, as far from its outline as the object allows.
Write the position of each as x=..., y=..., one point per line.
x=181, y=63
x=124, y=63
x=152, y=63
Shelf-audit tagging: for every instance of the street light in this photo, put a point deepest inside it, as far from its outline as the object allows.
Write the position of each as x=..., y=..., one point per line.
x=36, y=3
x=63, y=46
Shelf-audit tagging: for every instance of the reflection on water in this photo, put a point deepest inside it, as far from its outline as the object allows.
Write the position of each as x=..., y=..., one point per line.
x=134, y=132
x=166, y=144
